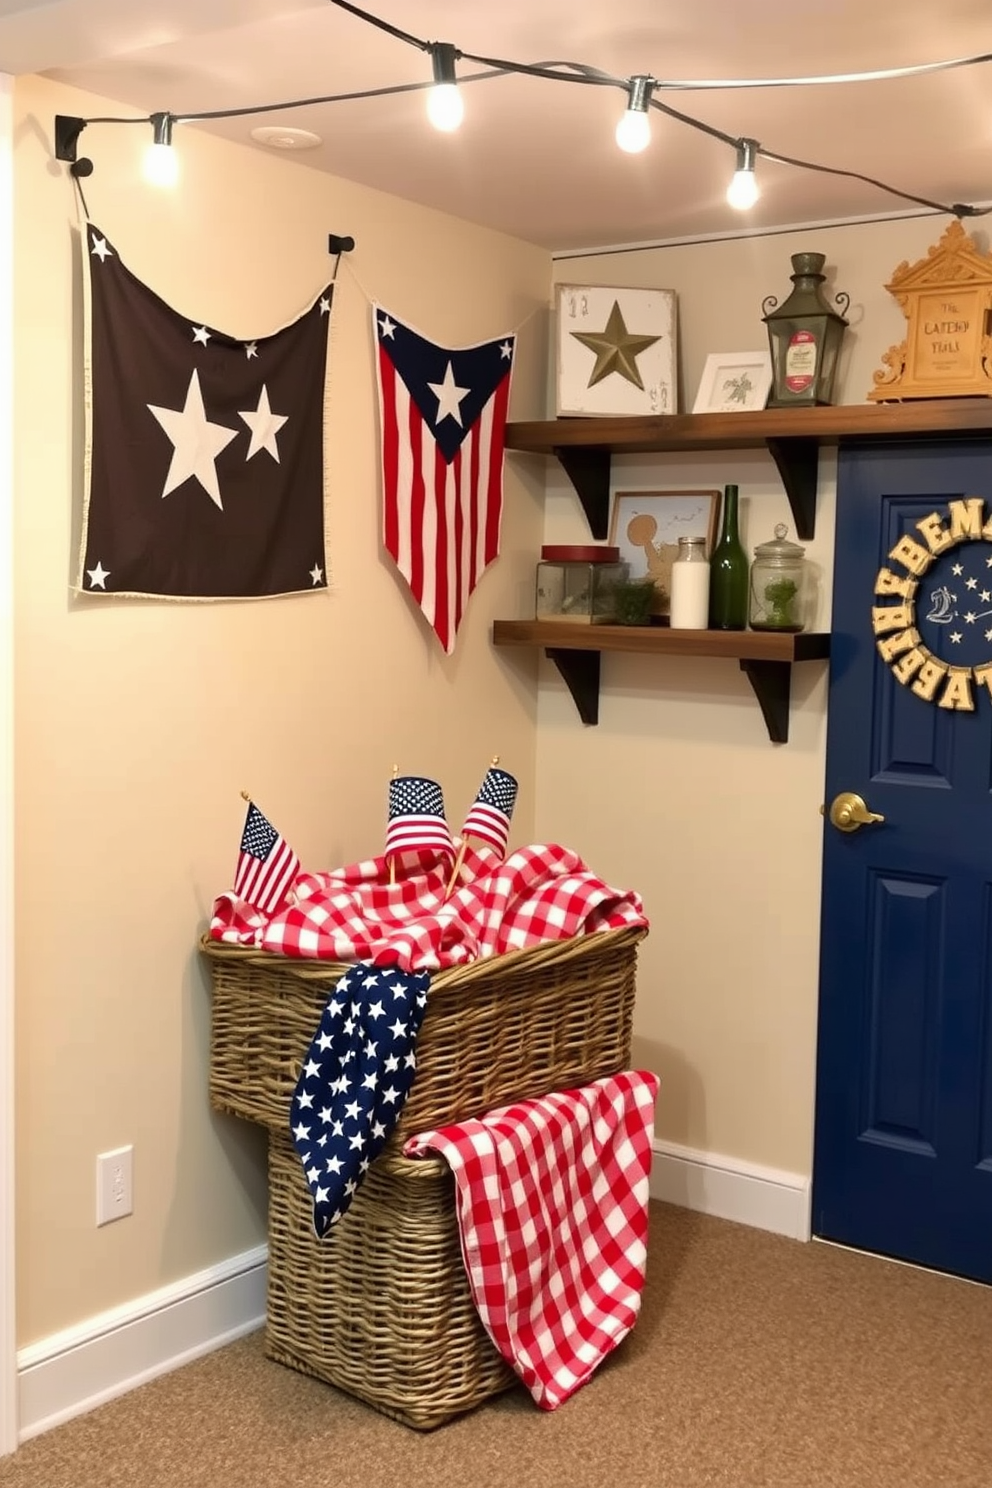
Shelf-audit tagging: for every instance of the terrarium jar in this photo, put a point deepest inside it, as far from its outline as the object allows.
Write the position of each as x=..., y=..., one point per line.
x=779, y=585
x=577, y=583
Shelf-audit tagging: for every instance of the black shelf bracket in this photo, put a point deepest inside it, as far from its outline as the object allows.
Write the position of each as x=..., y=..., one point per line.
x=589, y=472
x=580, y=673
x=798, y=460
x=772, y=684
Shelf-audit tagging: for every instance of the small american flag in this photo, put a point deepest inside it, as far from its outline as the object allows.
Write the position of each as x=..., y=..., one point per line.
x=489, y=817
x=442, y=421
x=416, y=816
x=267, y=865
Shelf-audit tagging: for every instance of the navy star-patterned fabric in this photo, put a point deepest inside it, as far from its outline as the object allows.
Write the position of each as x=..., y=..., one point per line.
x=355, y=1080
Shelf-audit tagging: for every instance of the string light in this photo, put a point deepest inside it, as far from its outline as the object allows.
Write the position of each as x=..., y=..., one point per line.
x=634, y=126
x=743, y=189
x=161, y=163
x=445, y=109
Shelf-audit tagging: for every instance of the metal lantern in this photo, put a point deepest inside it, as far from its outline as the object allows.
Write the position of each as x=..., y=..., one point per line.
x=804, y=335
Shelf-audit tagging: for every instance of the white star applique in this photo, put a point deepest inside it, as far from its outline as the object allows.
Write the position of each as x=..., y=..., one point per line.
x=264, y=426
x=98, y=576
x=101, y=249
x=387, y=327
x=251, y=349
x=196, y=443
x=506, y=351
x=971, y=583
x=325, y=306
x=957, y=570
x=449, y=397
x=316, y=574
x=201, y=334
x=956, y=637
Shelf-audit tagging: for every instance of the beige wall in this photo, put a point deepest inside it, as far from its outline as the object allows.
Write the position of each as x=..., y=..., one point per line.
x=137, y=724
x=678, y=791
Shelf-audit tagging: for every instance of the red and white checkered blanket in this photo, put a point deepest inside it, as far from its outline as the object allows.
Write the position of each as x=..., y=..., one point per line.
x=539, y=893
x=552, y=1209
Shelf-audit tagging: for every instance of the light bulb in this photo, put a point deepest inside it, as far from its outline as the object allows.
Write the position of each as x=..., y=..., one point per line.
x=634, y=131
x=743, y=190
x=161, y=165
x=445, y=107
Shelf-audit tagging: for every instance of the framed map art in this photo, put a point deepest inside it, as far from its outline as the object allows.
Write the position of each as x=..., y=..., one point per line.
x=646, y=527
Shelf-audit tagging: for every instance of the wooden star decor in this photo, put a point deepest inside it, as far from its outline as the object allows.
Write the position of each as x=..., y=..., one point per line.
x=616, y=351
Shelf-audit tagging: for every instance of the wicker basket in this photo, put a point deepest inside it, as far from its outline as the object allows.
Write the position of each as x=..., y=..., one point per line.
x=510, y=1028
x=381, y=1308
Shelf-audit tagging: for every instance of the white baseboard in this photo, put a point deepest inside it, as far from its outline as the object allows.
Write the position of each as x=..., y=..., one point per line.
x=85, y=1366
x=766, y=1198
x=76, y=1370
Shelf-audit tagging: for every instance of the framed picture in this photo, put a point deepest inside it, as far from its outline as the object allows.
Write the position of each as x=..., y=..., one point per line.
x=646, y=527
x=616, y=351
x=734, y=382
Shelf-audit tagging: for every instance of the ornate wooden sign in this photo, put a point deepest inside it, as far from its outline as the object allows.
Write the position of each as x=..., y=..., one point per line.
x=947, y=301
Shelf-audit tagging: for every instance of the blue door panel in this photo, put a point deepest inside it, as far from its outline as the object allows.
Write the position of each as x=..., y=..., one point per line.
x=902, y=1004
x=903, y=1143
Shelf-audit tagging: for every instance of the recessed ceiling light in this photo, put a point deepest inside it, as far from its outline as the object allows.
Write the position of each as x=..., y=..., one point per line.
x=281, y=137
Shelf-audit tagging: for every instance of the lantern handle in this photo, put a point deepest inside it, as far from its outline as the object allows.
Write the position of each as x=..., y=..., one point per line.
x=768, y=304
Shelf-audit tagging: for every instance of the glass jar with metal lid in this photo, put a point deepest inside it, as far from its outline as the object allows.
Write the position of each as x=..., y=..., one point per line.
x=779, y=587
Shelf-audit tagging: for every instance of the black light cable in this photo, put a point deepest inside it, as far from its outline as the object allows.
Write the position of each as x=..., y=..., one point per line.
x=445, y=106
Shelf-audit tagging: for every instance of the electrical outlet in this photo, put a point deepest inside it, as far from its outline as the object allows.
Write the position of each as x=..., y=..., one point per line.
x=114, y=1197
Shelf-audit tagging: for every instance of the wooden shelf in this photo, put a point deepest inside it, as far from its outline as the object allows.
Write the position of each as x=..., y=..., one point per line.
x=793, y=437
x=766, y=657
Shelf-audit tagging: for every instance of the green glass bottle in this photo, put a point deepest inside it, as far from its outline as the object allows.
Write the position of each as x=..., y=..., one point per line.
x=728, y=571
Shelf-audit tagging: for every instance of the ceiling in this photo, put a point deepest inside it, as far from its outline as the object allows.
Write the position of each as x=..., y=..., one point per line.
x=537, y=158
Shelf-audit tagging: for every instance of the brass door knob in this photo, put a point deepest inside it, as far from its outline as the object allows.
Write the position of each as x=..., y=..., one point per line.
x=848, y=812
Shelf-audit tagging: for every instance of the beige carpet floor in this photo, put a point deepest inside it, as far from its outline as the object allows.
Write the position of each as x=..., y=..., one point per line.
x=758, y=1362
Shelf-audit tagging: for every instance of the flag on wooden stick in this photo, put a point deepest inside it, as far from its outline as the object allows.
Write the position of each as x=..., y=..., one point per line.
x=442, y=422
x=490, y=812
x=267, y=865
x=416, y=817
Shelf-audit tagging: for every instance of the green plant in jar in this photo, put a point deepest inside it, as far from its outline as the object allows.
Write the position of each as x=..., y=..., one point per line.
x=780, y=595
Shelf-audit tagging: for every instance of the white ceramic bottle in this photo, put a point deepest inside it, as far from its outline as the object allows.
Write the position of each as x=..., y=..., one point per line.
x=690, y=585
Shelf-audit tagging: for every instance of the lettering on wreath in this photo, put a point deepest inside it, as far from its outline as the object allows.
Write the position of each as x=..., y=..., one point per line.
x=937, y=598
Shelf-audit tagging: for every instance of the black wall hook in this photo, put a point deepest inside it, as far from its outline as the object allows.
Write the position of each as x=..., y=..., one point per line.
x=338, y=244
x=67, y=132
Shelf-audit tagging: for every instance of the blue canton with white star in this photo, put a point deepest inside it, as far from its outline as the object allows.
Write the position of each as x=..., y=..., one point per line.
x=355, y=1081
x=954, y=606
x=450, y=386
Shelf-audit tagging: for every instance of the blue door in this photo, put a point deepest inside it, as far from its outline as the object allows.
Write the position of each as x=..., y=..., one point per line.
x=903, y=1148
